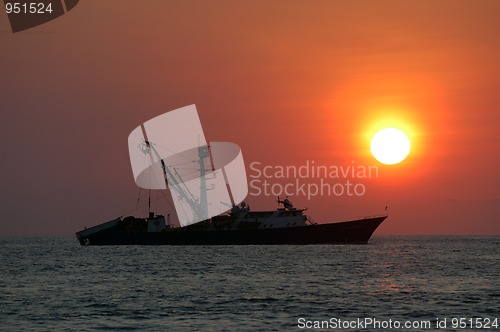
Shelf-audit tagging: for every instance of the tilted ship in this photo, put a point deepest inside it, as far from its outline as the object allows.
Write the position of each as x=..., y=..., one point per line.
x=240, y=226
x=185, y=163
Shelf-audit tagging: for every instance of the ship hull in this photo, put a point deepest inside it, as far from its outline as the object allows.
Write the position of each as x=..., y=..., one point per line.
x=349, y=232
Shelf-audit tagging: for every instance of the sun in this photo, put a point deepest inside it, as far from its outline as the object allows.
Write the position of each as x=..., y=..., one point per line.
x=390, y=146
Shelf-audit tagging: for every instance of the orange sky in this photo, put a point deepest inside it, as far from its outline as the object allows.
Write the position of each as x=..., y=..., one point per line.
x=289, y=81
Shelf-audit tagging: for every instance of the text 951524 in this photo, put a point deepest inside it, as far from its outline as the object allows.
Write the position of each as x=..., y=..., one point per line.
x=28, y=8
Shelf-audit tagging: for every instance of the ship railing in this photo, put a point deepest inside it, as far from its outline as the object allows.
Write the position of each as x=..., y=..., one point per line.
x=376, y=216
x=94, y=229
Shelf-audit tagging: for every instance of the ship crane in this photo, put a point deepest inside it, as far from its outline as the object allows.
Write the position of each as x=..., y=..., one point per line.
x=200, y=209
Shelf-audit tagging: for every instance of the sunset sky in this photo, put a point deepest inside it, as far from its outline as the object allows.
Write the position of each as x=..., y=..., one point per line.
x=288, y=81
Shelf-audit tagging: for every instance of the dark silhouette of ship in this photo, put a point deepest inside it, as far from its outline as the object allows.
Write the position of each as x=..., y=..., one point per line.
x=285, y=225
x=183, y=162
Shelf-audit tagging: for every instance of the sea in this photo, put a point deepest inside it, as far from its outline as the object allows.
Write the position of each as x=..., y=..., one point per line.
x=409, y=283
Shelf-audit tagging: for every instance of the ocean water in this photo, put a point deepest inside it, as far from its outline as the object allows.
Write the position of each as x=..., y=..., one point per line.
x=54, y=284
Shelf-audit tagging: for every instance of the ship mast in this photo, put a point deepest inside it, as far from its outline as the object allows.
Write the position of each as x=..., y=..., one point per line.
x=199, y=208
x=203, y=153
